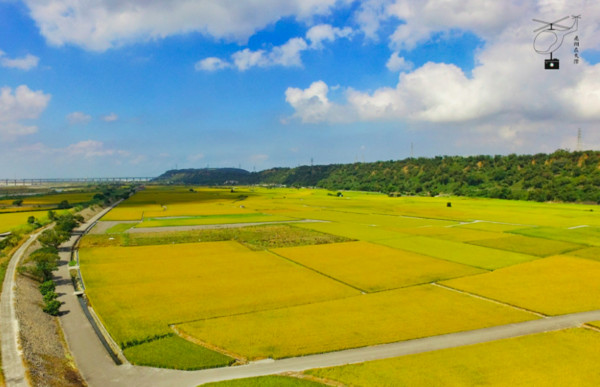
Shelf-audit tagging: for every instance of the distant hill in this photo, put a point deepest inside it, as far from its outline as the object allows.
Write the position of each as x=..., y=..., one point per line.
x=561, y=176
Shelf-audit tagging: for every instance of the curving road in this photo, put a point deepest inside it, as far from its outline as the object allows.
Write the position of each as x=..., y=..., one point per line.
x=12, y=357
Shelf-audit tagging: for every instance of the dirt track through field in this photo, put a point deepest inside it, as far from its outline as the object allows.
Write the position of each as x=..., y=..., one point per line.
x=215, y=226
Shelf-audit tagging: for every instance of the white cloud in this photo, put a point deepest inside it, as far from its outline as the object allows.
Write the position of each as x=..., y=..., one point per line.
x=91, y=148
x=18, y=106
x=26, y=63
x=104, y=24
x=398, y=63
x=112, y=117
x=286, y=55
x=78, y=118
x=325, y=32
x=506, y=91
x=312, y=105
x=211, y=64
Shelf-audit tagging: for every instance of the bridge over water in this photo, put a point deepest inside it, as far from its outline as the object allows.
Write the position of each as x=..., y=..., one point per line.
x=17, y=182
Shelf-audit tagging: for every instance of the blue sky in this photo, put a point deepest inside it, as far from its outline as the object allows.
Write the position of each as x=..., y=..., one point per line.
x=116, y=88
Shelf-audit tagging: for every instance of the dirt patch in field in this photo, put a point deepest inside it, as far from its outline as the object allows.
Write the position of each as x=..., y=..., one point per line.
x=46, y=358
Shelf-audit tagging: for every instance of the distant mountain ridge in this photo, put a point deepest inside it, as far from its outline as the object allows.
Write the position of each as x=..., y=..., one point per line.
x=561, y=175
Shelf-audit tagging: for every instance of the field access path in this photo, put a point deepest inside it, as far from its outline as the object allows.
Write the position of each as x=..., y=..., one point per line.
x=98, y=369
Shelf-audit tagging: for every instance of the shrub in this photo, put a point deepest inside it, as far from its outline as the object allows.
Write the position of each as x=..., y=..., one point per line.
x=52, y=307
x=46, y=287
x=50, y=296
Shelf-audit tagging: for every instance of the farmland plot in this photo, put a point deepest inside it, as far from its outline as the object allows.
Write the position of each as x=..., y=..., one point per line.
x=372, y=267
x=554, y=285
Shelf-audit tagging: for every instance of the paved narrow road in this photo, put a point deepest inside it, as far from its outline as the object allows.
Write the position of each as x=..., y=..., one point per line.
x=99, y=370
x=12, y=357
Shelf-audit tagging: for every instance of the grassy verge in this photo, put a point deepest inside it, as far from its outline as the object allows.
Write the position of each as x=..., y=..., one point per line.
x=175, y=352
x=266, y=381
x=119, y=228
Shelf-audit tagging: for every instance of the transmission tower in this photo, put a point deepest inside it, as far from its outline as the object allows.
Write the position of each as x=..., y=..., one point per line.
x=579, y=139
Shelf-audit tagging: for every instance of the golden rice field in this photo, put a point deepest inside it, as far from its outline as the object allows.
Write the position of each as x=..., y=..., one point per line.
x=296, y=296
x=528, y=245
x=376, y=318
x=48, y=200
x=554, y=285
x=371, y=267
x=467, y=254
x=9, y=221
x=562, y=358
x=139, y=291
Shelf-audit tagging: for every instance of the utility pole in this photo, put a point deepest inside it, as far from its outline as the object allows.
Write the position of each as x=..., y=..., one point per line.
x=579, y=139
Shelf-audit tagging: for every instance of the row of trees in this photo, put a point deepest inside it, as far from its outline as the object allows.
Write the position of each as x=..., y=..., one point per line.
x=44, y=261
x=561, y=176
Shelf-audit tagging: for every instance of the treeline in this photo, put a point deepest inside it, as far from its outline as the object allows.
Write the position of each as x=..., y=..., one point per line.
x=559, y=176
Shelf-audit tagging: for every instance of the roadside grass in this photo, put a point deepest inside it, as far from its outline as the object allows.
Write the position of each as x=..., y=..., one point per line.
x=266, y=381
x=175, y=352
x=584, y=235
x=554, y=285
x=139, y=291
x=463, y=253
x=560, y=358
x=589, y=253
x=119, y=228
x=528, y=245
x=370, y=319
x=595, y=324
x=373, y=267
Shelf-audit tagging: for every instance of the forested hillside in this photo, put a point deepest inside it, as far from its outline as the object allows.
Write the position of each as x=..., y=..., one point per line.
x=562, y=176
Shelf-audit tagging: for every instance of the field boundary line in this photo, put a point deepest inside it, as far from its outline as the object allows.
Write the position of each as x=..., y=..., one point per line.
x=260, y=310
x=239, y=359
x=490, y=300
x=379, y=242
x=318, y=272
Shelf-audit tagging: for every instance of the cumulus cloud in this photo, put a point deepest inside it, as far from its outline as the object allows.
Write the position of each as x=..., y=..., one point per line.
x=398, y=63
x=507, y=96
x=312, y=105
x=25, y=63
x=104, y=24
x=211, y=64
x=17, y=106
x=78, y=118
x=325, y=32
x=112, y=117
x=286, y=55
